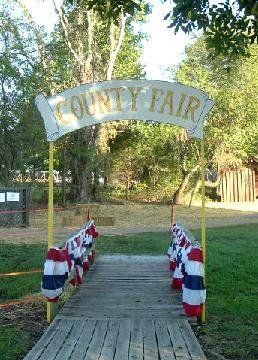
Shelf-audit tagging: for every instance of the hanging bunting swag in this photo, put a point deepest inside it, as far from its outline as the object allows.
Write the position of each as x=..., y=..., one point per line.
x=74, y=258
x=186, y=263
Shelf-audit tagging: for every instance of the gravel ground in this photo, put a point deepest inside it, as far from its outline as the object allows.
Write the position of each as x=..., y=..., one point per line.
x=135, y=218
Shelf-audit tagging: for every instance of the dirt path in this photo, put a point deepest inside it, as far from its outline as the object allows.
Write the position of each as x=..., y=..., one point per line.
x=130, y=219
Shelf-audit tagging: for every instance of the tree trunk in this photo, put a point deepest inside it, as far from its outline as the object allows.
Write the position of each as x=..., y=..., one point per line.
x=197, y=186
x=178, y=198
x=179, y=194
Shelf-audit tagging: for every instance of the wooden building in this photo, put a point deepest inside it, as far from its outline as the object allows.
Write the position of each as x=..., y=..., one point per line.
x=240, y=185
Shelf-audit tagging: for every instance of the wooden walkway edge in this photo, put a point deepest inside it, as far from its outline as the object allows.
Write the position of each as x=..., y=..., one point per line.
x=124, y=310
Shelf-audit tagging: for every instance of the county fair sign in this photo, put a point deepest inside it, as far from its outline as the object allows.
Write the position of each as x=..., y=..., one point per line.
x=147, y=100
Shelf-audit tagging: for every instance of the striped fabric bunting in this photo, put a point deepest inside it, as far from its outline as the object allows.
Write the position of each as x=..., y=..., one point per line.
x=55, y=274
x=186, y=261
x=74, y=258
x=194, y=292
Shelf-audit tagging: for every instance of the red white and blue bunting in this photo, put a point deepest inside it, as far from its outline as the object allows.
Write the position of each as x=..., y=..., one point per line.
x=68, y=263
x=186, y=263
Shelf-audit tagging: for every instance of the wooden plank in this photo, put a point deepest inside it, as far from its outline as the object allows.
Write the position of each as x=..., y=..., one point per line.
x=254, y=185
x=247, y=185
x=191, y=341
x=237, y=186
x=70, y=343
x=149, y=341
x=251, y=186
x=136, y=306
x=223, y=187
x=249, y=182
x=164, y=343
x=227, y=193
x=129, y=314
x=124, y=303
x=162, y=294
x=97, y=341
x=59, y=339
x=109, y=346
x=235, y=189
x=123, y=340
x=179, y=346
x=83, y=341
x=230, y=177
x=46, y=338
x=136, y=341
x=240, y=186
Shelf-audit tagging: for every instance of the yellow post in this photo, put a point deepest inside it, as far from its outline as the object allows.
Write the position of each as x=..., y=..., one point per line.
x=173, y=214
x=203, y=221
x=50, y=215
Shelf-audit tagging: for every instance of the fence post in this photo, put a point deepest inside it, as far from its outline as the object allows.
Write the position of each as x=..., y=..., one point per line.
x=50, y=306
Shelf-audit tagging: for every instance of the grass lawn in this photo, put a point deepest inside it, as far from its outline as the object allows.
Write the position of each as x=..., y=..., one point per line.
x=232, y=268
x=20, y=257
x=19, y=324
x=13, y=342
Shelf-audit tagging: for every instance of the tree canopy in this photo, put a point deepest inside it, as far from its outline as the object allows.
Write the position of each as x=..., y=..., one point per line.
x=230, y=26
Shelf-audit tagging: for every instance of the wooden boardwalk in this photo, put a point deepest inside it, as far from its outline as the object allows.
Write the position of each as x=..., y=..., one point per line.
x=124, y=310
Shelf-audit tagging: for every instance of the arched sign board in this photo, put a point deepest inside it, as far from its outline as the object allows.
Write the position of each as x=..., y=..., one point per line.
x=147, y=100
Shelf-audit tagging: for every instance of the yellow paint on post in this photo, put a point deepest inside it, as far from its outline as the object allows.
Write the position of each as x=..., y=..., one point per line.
x=203, y=221
x=50, y=214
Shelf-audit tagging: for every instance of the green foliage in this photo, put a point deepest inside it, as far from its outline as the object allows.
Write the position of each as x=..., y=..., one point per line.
x=143, y=160
x=21, y=130
x=230, y=26
x=111, y=9
x=128, y=64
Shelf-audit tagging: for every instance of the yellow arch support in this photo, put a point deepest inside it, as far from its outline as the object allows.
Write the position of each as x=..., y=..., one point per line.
x=203, y=221
x=50, y=307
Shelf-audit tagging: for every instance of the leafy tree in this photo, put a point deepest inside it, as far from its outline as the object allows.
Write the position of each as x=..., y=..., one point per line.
x=81, y=49
x=230, y=26
x=21, y=130
x=143, y=158
x=94, y=50
x=231, y=133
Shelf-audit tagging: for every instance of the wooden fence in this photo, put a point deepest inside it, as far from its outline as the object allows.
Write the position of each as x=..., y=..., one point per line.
x=238, y=185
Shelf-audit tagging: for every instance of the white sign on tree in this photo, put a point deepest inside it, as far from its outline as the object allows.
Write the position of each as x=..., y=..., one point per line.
x=147, y=100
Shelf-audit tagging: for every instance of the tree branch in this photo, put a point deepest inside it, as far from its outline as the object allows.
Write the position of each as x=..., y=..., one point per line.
x=65, y=27
x=39, y=37
x=88, y=62
x=115, y=46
